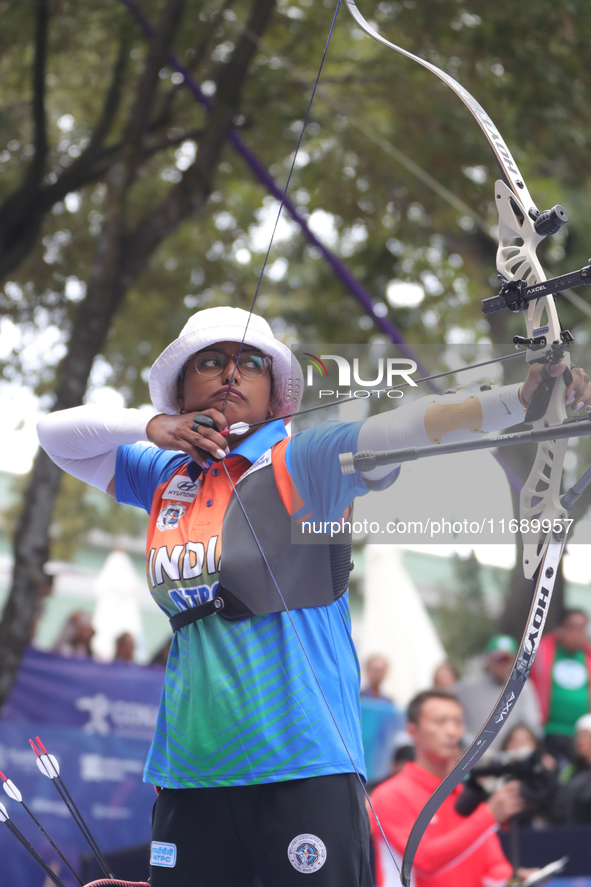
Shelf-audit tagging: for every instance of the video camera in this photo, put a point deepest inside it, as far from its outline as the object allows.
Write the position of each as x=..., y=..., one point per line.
x=537, y=781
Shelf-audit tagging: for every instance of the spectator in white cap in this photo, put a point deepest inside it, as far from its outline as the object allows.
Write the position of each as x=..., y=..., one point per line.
x=257, y=749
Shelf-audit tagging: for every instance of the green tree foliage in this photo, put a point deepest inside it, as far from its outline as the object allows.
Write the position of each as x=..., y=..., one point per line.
x=78, y=509
x=123, y=208
x=384, y=222
x=464, y=622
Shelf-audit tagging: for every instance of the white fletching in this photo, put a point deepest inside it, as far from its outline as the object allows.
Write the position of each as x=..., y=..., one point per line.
x=3, y=814
x=12, y=791
x=239, y=428
x=49, y=766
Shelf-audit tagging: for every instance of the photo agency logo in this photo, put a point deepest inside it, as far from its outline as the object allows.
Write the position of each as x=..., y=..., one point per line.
x=358, y=376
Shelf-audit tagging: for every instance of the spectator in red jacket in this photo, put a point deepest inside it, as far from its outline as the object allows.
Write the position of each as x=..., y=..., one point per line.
x=560, y=674
x=455, y=849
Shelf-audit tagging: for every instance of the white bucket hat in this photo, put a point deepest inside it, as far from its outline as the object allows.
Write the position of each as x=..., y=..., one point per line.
x=226, y=324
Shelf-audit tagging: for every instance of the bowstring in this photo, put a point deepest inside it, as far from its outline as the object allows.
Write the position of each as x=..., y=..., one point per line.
x=223, y=409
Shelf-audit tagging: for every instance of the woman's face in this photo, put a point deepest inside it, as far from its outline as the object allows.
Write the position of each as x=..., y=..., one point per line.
x=521, y=737
x=248, y=399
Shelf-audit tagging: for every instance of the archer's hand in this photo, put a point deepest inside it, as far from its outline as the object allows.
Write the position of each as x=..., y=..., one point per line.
x=578, y=393
x=175, y=433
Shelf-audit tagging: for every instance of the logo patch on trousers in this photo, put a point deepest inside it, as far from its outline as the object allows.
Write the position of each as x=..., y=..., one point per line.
x=307, y=854
x=163, y=854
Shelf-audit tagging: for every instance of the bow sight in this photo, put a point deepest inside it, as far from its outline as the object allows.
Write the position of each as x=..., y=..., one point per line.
x=516, y=295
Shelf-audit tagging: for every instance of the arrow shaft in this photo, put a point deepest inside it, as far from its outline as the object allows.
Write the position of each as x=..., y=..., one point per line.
x=31, y=850
x=379, y=391
x=55, y=847
x=367, y=461
x=80, y=822
x=64, y=794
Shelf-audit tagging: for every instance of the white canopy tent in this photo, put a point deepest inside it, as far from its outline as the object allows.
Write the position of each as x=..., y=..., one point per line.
x=119, y=591
x=396, y=624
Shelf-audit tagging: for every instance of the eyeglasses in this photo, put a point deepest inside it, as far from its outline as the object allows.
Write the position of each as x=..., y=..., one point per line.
x=213, y=363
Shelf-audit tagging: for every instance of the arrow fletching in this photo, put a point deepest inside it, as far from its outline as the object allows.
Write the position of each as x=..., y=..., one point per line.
x=49, y=766
x=238, y=428
x=10, y=788
x=12, y=791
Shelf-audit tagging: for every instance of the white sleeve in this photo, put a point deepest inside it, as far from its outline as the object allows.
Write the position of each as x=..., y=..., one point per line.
x=84, y=440
x=440, y=418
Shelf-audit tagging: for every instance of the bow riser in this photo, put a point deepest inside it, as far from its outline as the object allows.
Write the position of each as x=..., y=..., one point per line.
x=517, y=260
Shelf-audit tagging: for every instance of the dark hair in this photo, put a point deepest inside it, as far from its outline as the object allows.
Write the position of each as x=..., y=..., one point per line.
x=180, y=382
x=404, y=753
x=511, y=733
x=566, y=614
x=415, y=706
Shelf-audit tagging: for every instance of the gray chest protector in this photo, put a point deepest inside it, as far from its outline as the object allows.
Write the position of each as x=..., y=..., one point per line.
x=311, y=575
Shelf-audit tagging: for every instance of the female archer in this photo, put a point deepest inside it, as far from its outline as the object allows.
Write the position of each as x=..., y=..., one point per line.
x=257, y=749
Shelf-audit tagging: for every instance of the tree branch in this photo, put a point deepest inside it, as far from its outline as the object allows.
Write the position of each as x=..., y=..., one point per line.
x=190, y=194
x=112, y=100
x=38, y=104
x=141, y=111
x=197, y=57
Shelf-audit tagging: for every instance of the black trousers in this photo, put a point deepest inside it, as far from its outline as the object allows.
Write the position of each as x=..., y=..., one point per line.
x=269, y=835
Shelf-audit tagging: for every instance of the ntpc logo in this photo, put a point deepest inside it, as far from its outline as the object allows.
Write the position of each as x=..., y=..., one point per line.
x=163, y=854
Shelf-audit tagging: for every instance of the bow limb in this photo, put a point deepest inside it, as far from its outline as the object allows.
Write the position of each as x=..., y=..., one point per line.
x=521, y=229
x=504, y=158
x=509, y=694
